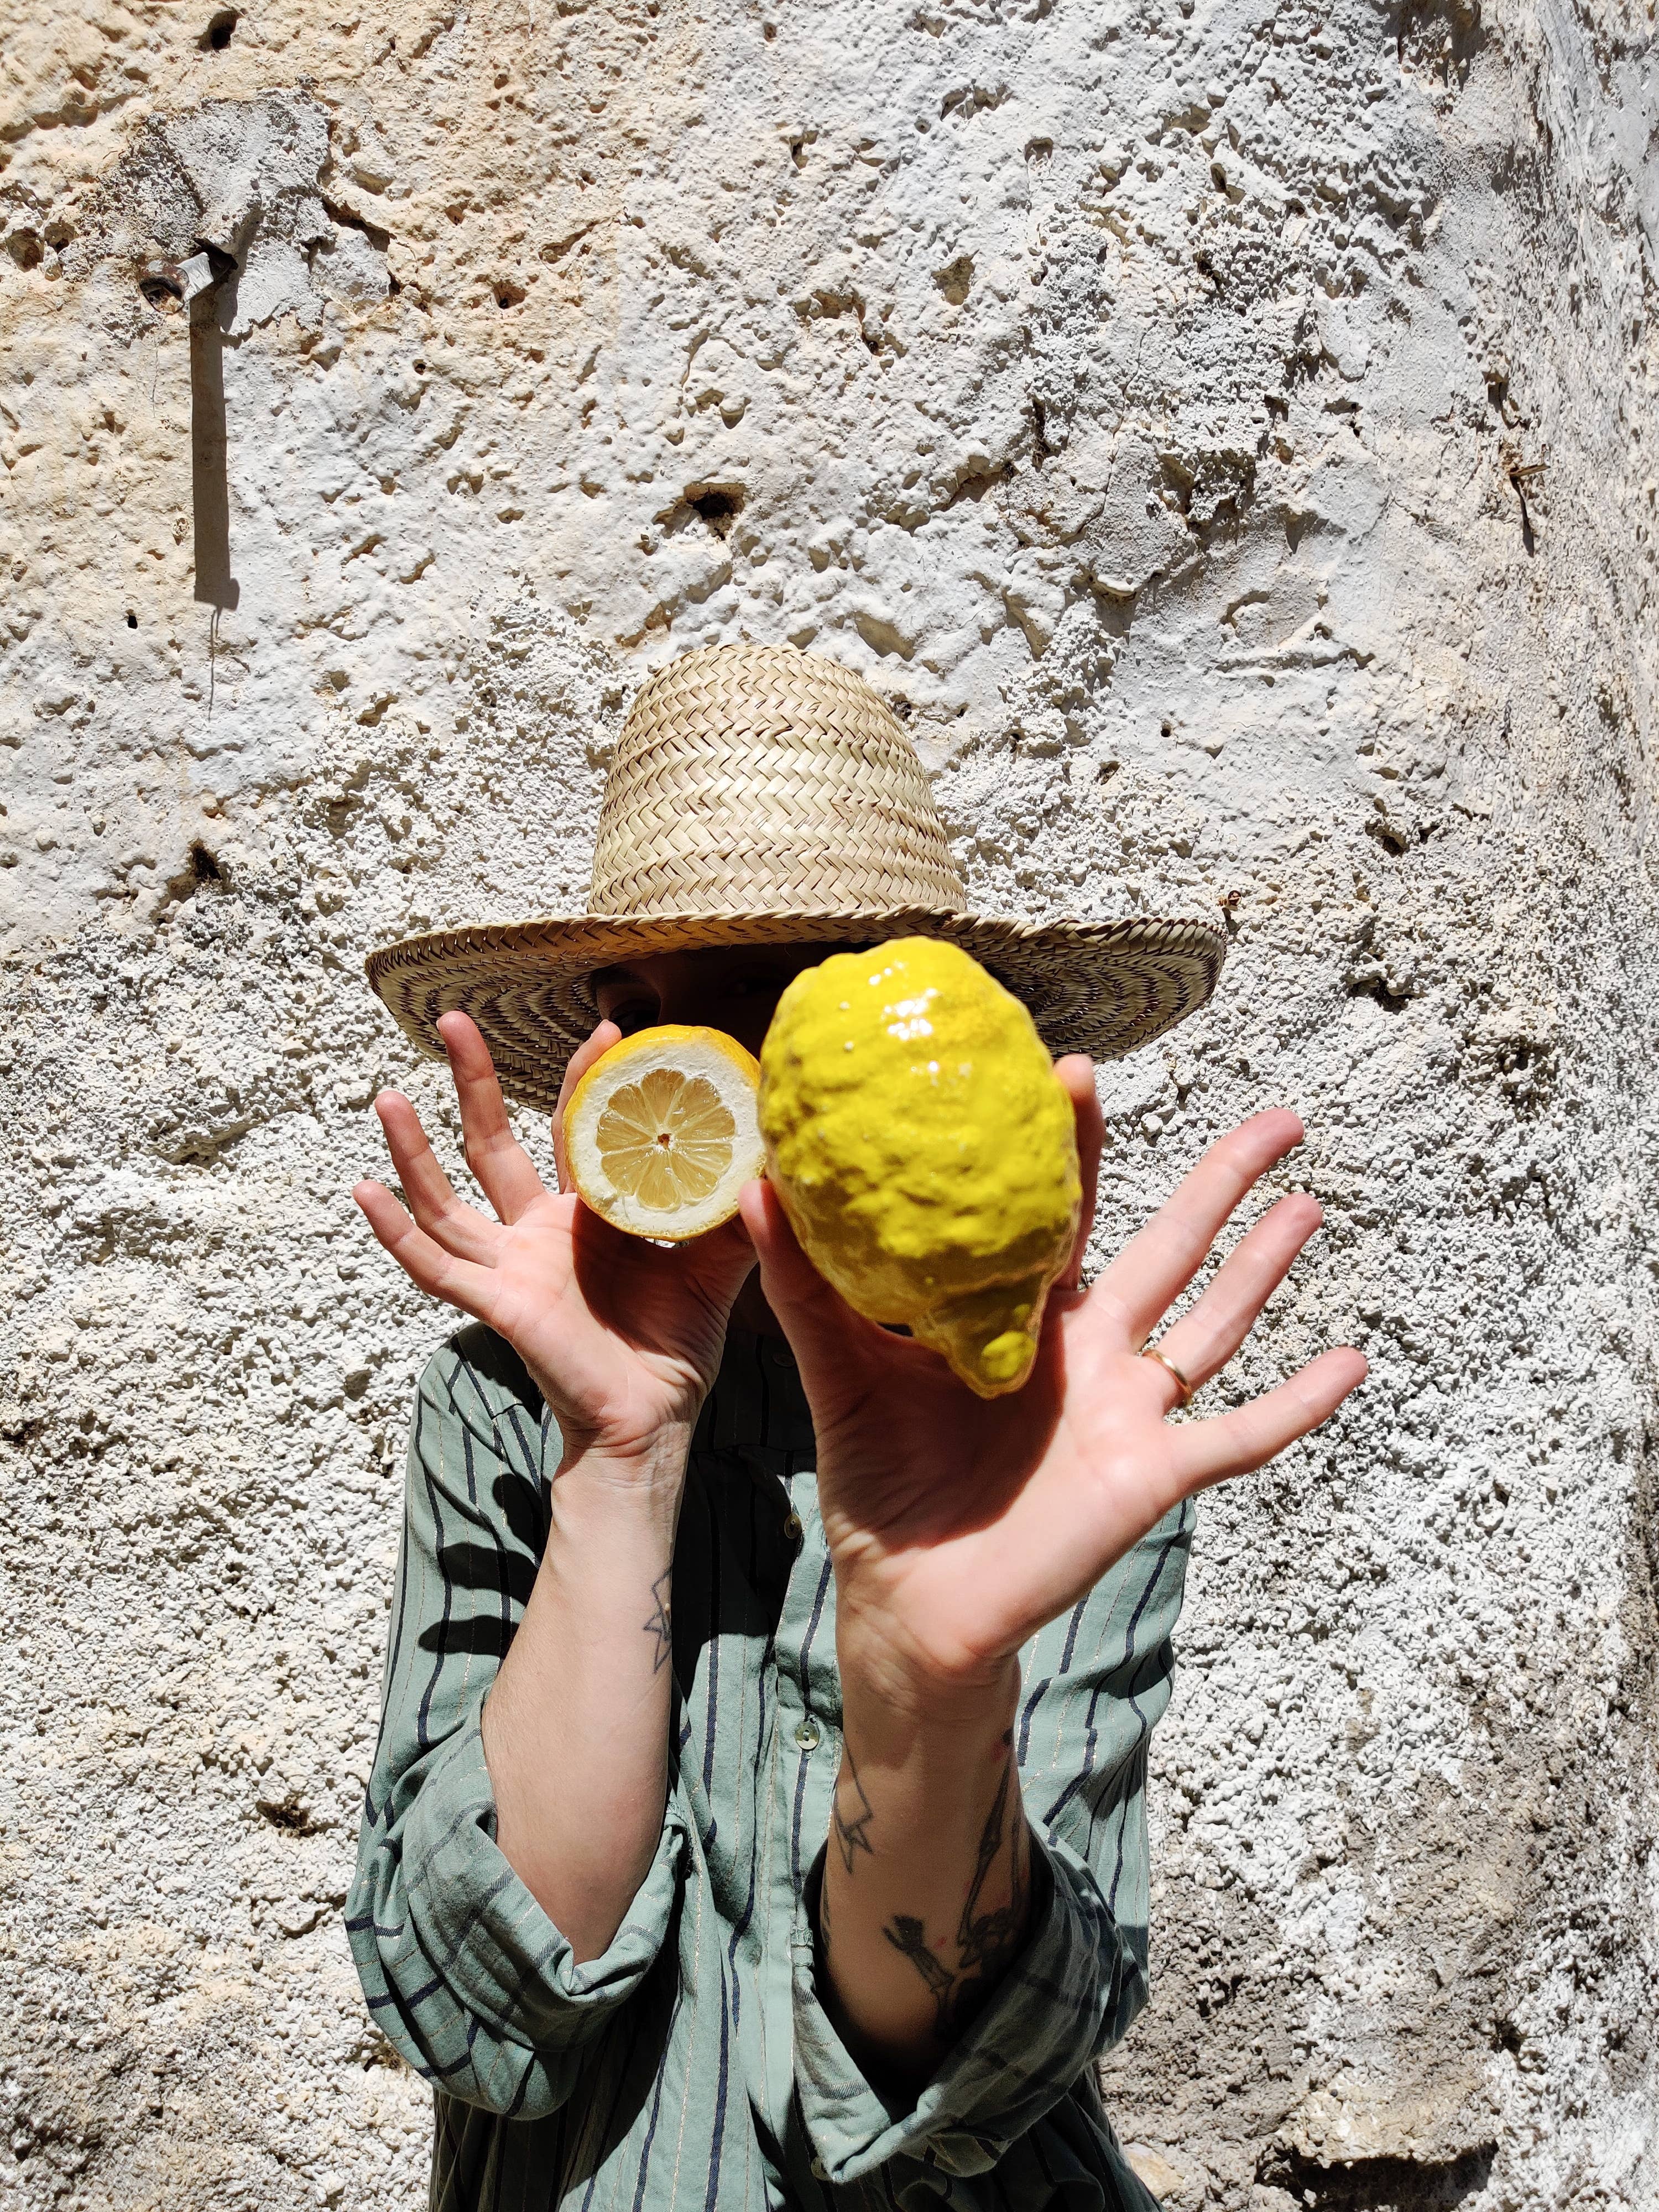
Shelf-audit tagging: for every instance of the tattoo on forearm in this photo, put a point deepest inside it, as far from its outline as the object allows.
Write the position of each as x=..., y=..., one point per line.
x=661, y=1623
x=986, y=1942
x=853, y=1836
x=908, y=1937
x=986, y=1936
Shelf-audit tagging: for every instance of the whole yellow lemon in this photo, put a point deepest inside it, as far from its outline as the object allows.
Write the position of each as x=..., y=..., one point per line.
x=924, y=1148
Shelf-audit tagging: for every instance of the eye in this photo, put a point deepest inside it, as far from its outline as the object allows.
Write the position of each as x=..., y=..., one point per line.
x=631, y=1014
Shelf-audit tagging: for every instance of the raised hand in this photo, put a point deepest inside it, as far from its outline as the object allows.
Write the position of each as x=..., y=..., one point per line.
x=958, y=1527
x=621, y=1337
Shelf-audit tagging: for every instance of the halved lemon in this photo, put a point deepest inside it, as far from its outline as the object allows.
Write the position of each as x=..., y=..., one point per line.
x=662, y=1134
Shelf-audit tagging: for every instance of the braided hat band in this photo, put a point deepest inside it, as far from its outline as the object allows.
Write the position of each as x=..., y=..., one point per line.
x=760, y=795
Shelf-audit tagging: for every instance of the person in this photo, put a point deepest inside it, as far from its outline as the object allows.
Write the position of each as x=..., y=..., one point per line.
x=758, y=1816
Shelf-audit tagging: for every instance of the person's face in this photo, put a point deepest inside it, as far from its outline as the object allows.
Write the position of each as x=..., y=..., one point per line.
x=730, y=988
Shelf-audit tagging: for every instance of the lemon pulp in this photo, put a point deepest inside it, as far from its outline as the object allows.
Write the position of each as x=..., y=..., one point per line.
x=924, y=1150
x=666, y=1139
x=660, y=1133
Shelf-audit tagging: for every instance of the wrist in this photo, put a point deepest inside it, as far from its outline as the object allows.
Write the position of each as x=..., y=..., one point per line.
x=890, y=1696
x=612, y=1525
x=600, y=1484
x=628, y=1425
x=653, y=1459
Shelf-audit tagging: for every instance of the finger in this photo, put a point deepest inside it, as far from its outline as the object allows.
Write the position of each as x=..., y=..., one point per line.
x=1156, y=1266
x=581, y=1059
x=459, y=1228
x=792, y=1284
x=507, y=1174
x=1202, y=1342
x=1076, y=1075
x=1238, y=1442
x=812, y=1314
x=715, y=1265
x=422, y=1258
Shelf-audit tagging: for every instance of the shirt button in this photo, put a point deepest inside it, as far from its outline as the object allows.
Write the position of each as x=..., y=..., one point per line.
x=792, y=1526
x=808, y=1734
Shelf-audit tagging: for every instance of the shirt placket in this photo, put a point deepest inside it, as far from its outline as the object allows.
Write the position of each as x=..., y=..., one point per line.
x=808, y=1708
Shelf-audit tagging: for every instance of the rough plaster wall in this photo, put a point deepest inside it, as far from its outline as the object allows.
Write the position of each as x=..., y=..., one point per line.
x=1151, y=402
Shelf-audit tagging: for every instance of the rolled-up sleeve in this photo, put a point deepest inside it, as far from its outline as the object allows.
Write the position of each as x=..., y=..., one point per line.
x=1094, y=1683
x=463, y=1973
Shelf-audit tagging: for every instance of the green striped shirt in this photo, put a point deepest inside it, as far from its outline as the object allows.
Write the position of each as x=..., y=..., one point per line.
x=692, y=2068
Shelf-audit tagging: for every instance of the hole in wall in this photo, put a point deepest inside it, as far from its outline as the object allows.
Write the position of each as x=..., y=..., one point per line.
x=291, y=1812
x=203, y=864
x=346, y=218
x=132, y=620
x=956, y=279
x=217, y=35
x=557, y=248
x=1391, y=840
x=221, y=264
x=718, y=504
x=1392, y=1002
x=975, y=484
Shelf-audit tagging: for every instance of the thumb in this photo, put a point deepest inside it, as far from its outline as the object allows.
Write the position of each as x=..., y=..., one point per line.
x=814, y=1317
x=722, y=1260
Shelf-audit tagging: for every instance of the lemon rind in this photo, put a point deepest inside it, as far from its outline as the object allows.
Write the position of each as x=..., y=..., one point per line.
x=690, y=1049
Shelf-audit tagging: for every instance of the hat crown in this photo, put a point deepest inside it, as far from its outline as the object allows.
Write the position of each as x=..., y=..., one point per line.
x=757, y=779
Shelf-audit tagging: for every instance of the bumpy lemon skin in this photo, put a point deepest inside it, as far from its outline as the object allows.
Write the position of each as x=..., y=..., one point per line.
x=924, y=1150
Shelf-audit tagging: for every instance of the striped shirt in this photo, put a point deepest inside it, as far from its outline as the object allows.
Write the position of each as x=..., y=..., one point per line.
x=692, y=2067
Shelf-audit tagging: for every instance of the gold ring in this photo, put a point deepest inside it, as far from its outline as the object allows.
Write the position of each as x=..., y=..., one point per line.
x=1186, y=1388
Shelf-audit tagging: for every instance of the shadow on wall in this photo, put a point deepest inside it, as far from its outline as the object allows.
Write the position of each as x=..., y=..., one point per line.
x=210, y=489
x=1381, y=2184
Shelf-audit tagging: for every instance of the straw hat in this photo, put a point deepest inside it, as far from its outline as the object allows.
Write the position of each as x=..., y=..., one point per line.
x=764, y=796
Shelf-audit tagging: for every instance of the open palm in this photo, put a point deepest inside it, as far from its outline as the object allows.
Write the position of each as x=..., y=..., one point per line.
x=621, y=1337
x=959, y=1526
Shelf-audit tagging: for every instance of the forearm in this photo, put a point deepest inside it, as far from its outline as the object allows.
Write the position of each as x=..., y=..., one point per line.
x=576, y=1730
x=926, y=1884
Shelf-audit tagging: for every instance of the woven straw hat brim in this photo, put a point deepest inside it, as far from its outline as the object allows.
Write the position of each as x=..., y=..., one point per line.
x=1101, y=987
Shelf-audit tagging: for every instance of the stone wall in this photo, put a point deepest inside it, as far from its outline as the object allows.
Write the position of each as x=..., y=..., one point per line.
x=1227, y=434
